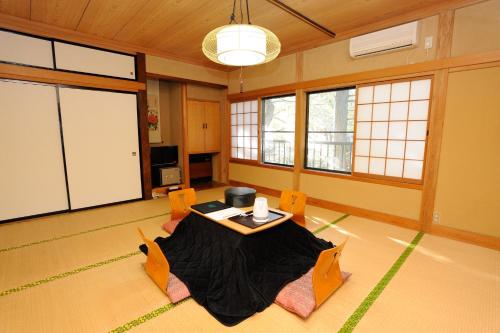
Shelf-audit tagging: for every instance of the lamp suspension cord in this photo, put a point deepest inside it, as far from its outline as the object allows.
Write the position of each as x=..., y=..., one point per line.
x=241, y=79
x=232, y=18
x=241, y=13
x=248, y=13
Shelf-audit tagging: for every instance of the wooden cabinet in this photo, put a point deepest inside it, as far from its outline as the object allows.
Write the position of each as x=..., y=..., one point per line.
x=203, y=127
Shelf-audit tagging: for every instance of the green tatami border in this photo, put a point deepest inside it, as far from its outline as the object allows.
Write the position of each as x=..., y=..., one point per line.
x=79, y=233
x=329, y=225
x=66, y=274
x=354, y=319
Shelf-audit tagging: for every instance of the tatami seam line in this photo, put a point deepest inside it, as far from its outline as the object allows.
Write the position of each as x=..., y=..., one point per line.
x=155, y=313
x=354, y=319
x=66, y=274
x=79, y=233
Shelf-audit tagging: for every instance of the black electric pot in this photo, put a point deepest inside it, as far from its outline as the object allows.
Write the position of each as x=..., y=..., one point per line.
x=240, y=196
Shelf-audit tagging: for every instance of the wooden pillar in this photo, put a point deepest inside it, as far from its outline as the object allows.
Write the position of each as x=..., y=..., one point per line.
x=434, y=139
x=185, y=142
x=143, y=128
x=300, y=118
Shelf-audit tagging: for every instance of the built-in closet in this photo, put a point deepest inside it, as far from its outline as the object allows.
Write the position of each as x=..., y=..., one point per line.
x=66, y=147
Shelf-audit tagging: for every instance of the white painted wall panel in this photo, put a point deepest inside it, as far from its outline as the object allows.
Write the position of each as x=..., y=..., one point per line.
x=87, y=60
x=31, y=164
x=101, y=145
x=25, y=50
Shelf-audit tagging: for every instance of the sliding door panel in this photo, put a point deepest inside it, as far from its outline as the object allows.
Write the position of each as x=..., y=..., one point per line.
x=32, y=177
x=101, y=144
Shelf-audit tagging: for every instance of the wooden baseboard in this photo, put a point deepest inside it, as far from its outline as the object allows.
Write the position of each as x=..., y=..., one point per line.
x=437, y=230
x=470, y=237
x=361, y=212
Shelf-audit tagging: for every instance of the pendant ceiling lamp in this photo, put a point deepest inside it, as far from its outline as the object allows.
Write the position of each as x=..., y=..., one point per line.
x=241, y=44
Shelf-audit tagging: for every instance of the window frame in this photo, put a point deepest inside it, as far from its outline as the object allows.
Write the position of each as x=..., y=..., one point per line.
x=262, y=135
x=400, y=180
x=306, y=130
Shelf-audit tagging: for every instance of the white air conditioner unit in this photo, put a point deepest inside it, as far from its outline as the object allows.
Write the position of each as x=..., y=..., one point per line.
x=392, y=39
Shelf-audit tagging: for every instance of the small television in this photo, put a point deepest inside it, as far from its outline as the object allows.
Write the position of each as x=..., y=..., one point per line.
x=165, y=155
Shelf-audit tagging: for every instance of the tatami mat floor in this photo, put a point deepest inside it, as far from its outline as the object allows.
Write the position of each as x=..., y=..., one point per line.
x=81, y=272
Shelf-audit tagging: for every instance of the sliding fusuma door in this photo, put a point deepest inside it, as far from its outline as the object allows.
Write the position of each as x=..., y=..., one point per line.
x=101, y=146
x=32, y=180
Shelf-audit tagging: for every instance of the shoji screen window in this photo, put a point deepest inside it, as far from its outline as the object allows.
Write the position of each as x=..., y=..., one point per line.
x=244, y=130
x=391, y=129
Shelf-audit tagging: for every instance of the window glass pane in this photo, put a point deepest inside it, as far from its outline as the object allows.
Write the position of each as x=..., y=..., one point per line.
x=278, y=130
x=330, y=128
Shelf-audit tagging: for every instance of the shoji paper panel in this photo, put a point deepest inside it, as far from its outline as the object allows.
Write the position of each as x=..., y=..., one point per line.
x=245, y=130
x=391, y=128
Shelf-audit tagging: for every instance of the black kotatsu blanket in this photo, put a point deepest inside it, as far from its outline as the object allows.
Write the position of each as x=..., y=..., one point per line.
x=234, y=275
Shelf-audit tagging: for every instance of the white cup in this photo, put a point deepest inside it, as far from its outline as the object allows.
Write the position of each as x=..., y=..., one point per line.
x=260, y=210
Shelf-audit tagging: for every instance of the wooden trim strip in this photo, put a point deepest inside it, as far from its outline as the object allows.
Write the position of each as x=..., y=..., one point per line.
x=470, y=237
x=16, y=72
x=144, y=129
x=302, y=17
x=351, y=210
x=423, y=68
x=185, y=142
x=184, y=80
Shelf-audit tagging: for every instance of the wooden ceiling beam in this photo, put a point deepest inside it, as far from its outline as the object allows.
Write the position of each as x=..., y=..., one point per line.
x=302, y=17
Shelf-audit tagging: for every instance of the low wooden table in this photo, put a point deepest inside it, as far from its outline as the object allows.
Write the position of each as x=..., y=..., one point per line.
x=243, y=229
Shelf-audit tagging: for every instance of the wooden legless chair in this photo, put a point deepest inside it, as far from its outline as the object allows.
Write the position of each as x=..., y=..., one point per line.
x=156, y=265
x=294, y=202
x=180, y=201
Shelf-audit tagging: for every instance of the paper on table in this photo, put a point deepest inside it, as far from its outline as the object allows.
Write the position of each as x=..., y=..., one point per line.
x=224, y=213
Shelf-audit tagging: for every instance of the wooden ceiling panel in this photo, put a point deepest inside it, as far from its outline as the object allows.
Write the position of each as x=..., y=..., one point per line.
x=61, y=13
x=19, y=8
x=154, y=18
x=105, y=18
x=176, y=28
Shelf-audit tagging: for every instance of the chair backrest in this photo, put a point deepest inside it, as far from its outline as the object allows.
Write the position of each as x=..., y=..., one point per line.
x=294, y=202
x=327, y=276
x=180, y=201
x=156, y=266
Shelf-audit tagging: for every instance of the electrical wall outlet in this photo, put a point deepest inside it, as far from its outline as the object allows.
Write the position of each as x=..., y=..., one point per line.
x=428, y=43
x=435, y=217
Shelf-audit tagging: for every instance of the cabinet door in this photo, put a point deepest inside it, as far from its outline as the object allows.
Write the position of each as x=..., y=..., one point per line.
x=212, y=128
x=101, y=146
x=196, y=121
x=32, y=168
x=88, y=60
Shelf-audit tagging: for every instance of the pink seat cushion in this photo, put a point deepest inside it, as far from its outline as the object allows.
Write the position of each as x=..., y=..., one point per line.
x=176, y=289
x=171, y=225
x=298, y=295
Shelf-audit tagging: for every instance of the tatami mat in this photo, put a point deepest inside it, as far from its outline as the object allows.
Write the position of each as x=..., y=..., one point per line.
x=116, y=291
x=444, y=286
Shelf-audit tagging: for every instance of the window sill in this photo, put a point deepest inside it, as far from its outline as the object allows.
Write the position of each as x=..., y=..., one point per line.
x=262, y=165
x=362, y=179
